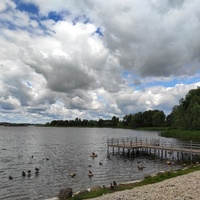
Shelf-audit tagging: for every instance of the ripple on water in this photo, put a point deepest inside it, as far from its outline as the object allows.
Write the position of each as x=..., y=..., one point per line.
x=68, y=150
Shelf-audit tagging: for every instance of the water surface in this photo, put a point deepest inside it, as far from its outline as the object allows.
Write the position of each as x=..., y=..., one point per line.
x=59, y=151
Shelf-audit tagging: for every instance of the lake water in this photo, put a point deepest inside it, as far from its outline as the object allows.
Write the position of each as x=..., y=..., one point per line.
x=68, y=150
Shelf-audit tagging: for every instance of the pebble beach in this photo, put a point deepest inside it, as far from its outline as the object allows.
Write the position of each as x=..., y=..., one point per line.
x=183, y=187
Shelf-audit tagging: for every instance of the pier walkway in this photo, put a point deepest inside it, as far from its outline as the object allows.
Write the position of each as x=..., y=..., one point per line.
x=162, y=148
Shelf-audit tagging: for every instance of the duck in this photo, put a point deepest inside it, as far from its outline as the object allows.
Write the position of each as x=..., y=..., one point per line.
x=100, y=163
x=114, y=183
x=90, y=173
x=37, y=169
x=23, y=173
x=10, y=178
x=93, y=155
x=168, y=162
x=29, y=173
x=140, y=167
x=72, y=174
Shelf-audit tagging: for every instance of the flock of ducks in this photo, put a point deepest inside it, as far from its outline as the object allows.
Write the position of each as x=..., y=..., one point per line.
x=28, y=173
x=90, y=173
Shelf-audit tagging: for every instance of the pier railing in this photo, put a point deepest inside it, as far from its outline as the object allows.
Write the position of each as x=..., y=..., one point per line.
x=156, y=143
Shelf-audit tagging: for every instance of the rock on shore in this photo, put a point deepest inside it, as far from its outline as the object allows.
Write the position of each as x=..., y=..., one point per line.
x=183, y=187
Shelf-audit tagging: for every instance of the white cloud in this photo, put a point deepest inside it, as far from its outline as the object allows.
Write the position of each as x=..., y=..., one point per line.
x=6, y=4
x=59, y=69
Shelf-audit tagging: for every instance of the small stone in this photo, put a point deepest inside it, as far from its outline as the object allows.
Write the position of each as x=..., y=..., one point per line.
x=153, y=175
x=65, y=193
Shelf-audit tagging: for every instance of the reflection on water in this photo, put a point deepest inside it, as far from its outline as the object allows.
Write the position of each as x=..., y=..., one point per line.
x=57, y=152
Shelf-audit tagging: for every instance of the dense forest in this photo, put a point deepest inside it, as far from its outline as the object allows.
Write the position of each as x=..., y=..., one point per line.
x=185, y=116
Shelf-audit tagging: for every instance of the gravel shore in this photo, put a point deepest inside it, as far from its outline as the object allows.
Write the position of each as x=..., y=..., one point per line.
x=183, y=187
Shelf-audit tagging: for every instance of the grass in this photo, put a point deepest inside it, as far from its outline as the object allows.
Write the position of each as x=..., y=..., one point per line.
x=154, y=128
x=182, y=134
x=148, y=180
x=175, y=133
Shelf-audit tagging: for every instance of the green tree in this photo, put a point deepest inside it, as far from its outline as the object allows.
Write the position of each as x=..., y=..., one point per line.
x=100, y=123
x=147, y=117
x=127, y=119
x=136, y=120
x=187, y=114
x=114, y=121
x=158, y=119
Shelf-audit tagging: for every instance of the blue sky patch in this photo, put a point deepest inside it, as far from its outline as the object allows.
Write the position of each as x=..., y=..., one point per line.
x=99, y=31
x=55, y=16
x=7, y=24
x=138, y=83
x=27, y=7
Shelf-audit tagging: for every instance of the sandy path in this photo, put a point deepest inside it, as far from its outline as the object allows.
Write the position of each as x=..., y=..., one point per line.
x=180, y=188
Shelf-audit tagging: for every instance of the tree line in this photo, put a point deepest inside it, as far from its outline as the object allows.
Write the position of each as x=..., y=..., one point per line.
x=186, y=116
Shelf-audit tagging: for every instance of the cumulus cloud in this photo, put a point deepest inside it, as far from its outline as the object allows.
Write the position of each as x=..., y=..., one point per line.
x=96, y=59
x=152, y=39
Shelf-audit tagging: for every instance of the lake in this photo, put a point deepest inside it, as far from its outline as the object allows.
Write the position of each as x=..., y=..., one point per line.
x=57, y=152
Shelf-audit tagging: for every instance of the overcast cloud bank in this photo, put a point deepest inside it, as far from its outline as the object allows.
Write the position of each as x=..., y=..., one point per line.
x=96, y=59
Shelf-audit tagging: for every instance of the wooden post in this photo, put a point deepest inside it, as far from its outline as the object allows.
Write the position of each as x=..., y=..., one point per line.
x=146, y=149
x=136, y=141
x=191, y=150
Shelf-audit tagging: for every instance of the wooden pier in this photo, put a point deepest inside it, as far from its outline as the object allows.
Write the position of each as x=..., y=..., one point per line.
x=161, y=148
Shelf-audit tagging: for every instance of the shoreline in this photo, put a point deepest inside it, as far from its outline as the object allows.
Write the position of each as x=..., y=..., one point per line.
x=180, y=187
x=131, y=188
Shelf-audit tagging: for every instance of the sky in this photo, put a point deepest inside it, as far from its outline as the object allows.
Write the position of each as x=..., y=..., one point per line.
x=63, y=59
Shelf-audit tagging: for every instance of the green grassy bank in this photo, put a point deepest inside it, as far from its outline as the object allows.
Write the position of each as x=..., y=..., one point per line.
x=182, y=134
x=175, y=133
